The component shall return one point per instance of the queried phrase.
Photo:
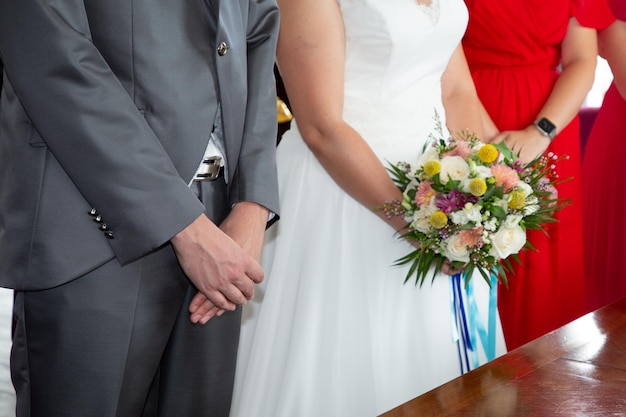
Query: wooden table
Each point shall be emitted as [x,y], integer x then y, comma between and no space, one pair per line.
[578,370]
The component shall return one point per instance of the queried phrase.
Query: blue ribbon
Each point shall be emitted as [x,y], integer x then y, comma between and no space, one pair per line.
[468,327]
[464,342]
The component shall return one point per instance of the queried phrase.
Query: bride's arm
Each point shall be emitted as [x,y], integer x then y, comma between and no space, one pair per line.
[463,109]
[310,56]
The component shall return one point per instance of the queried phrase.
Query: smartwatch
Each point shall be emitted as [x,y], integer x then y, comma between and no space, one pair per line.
[546,127]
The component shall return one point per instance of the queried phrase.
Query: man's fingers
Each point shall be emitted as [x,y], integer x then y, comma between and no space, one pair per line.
[227,301]
[197,302]
[248,291]
[255,272]
[205,317]
[236,293]
[202,309]
[246,286]
[209,315]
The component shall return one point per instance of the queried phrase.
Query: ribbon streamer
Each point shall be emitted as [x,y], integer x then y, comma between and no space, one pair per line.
[468,328]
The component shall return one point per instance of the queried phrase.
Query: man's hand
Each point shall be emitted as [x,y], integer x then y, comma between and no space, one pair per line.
[202,310]
[217,265]
[245,225]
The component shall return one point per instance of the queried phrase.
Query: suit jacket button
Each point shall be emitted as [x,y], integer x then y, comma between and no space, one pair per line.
[104,227]
[93,212]
[109,234]
[222,49]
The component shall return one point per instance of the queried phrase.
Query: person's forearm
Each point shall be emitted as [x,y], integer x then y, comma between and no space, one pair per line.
[460,100]
[490,130]
[354,167]
[568,93]
[245,224]
[463,114]
[252,216]
[578,58]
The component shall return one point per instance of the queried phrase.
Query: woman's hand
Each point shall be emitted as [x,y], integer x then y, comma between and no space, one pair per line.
[447,268]
[529,142]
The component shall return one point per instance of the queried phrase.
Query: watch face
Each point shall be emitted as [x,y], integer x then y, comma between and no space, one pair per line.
[546,125]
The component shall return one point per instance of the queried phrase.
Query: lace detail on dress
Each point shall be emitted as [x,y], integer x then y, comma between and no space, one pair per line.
[431,10]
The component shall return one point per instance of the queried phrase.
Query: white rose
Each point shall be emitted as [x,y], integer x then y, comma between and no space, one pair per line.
[454,167]
[421,219]
[429,153]
[455,250]
[507,241]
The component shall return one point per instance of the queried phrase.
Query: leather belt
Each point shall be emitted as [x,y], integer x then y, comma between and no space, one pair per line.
[210,169]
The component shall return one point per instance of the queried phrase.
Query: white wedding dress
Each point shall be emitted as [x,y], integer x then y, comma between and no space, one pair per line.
[333,331]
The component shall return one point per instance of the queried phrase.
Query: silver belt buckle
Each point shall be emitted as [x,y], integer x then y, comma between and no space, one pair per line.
[210,169]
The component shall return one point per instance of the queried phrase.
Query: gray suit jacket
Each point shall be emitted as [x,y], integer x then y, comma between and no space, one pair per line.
[109,104]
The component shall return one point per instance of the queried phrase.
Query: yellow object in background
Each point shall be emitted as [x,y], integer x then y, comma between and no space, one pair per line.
[284,114]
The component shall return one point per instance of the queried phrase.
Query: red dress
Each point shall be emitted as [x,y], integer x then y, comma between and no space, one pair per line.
[604,185]
[513,50]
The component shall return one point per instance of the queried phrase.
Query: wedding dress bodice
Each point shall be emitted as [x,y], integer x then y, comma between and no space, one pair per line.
[396,52]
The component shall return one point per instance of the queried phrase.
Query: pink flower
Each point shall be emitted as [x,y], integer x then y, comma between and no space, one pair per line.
[472,237]
[462,149]
[505,176]
[424,193]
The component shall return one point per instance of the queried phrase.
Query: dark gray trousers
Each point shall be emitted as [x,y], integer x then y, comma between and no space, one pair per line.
[118,342]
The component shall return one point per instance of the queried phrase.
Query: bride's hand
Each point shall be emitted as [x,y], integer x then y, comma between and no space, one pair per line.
[447,268]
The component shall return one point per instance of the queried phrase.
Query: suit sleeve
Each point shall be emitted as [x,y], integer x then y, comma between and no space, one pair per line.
[91,126]
[255,179]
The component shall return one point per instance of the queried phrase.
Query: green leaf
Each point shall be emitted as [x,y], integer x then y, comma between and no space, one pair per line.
[508,154]
[497,192]
[498,212]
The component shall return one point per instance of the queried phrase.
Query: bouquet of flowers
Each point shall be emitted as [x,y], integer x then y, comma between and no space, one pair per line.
[471,203]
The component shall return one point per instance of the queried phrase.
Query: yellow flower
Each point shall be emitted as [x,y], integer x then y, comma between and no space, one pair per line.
[432,167]
[477,187]
[516,200]
[488,153]
[438,219]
